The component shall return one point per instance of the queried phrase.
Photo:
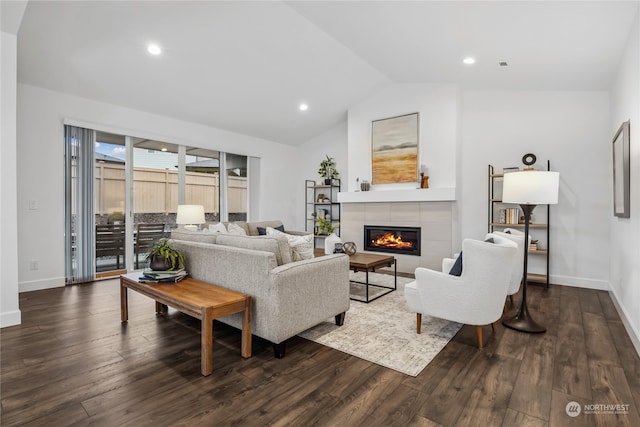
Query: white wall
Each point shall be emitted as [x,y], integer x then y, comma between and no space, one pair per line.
[9,308]
[438,108]
[625,232]
[332,143]
[571,129]
[462,132]
[41,114]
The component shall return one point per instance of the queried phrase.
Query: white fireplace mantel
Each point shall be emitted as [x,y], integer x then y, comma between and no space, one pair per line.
[399,195]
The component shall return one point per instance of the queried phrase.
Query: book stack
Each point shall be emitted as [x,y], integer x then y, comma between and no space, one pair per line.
[512,215]
[533,245]
[162,276]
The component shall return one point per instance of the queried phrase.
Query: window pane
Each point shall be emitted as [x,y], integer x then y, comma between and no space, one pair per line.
[155,194]
[109,192]
[237,186]
[203,181]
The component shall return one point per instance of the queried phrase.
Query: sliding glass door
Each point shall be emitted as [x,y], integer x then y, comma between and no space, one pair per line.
[128,194]
[155,194]
[109,204]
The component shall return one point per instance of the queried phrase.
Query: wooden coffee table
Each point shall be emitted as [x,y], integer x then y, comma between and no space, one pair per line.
[368,263]
[198,299]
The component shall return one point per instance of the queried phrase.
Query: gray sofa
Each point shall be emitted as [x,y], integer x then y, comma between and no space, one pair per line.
[288,296]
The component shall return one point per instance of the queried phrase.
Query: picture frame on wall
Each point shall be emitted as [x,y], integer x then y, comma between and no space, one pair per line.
[621,171]
[394,149]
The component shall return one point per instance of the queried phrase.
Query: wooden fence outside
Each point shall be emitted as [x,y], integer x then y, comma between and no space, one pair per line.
[156,191]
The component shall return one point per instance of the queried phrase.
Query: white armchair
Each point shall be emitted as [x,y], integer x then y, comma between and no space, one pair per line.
[477,296]
[516,236]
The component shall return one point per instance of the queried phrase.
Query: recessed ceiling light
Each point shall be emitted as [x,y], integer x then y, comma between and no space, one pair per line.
[163,149]
[469,60]
[154,49]
[303,107]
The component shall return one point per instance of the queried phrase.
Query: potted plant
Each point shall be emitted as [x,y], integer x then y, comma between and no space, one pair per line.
[328,170]
[163,257]
[326,227]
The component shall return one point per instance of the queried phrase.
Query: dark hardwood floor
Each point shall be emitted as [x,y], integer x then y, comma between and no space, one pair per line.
[72,362]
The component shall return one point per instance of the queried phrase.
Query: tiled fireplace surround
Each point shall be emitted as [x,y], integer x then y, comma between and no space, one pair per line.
[434,217]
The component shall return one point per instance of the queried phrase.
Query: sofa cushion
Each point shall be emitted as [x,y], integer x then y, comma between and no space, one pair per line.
[236,229]
[301,246]
[277,246]
[252,227]
[194,236]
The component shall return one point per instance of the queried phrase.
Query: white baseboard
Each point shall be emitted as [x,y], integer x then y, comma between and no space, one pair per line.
[580,282]
[10,318]
[633,334]
[38,285]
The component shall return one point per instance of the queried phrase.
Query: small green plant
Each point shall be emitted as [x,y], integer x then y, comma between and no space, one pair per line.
[325,226]
[328,169]
[173,258]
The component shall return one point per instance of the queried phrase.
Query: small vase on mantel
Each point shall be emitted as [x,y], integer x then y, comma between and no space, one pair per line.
[330,243]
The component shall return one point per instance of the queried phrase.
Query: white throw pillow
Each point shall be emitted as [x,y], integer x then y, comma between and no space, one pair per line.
[301,246]
[218,228]
[236,230]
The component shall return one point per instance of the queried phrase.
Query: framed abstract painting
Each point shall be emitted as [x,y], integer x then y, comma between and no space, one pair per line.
[394,149]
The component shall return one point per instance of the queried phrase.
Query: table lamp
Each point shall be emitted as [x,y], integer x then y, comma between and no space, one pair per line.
[528,188]
[190,215]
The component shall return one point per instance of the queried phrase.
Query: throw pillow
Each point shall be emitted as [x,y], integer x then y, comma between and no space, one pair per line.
[456,269]
[301,246]
[218,228]
[262,231]
[236,230]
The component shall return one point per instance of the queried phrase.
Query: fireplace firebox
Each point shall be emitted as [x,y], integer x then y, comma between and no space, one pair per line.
[391,239]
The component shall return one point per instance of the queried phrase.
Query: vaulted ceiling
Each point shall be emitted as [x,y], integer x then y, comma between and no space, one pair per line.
[246,66]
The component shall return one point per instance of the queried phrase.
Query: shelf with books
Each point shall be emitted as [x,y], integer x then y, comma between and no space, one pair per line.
[505,215]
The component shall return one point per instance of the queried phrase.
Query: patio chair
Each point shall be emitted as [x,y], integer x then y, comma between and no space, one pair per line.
[110,242]
[146,236]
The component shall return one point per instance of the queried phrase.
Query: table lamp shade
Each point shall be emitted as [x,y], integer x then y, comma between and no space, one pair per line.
[190,214]
[531,187]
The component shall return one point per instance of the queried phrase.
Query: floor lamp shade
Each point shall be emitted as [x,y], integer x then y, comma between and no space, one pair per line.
[531,188]
[190,215]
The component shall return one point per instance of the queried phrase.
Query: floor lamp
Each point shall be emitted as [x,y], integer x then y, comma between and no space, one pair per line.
[528,188]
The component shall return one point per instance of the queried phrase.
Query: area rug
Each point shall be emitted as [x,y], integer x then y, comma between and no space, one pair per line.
[384,331]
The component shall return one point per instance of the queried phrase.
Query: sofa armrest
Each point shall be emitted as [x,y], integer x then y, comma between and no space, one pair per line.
[309,292]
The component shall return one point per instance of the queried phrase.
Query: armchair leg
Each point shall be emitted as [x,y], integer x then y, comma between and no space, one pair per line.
[479,335]
[419,323]
[493,326]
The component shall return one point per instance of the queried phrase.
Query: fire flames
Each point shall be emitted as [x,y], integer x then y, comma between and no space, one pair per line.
[390,240]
